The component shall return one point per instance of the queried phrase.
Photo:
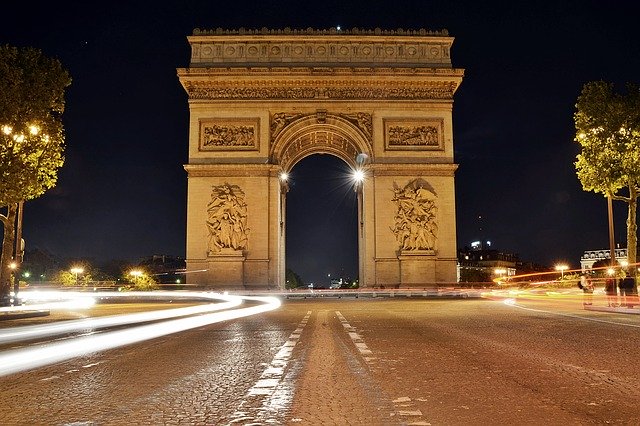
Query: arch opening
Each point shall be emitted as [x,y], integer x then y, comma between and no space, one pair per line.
[321,244]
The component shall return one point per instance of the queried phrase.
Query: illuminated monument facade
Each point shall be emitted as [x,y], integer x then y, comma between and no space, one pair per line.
[262,100]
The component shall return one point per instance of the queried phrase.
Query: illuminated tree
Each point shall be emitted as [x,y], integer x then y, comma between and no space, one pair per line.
[70,278]
[141,281]
[608,130]
[32,89]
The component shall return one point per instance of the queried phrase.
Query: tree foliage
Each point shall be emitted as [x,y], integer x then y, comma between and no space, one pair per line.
[31,132]
[608,130]
[292,280]
[141,282]
[68,278]
[31,135]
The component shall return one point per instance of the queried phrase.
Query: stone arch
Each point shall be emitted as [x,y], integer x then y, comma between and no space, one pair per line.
[330,134]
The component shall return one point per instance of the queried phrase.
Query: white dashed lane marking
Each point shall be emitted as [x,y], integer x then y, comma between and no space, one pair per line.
[264,396]
[356,338]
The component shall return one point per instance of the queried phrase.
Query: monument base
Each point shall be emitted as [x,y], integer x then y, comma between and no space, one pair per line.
[224,270]
[417,269]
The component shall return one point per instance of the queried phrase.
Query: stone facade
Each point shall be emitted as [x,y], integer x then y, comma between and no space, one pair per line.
[260,101]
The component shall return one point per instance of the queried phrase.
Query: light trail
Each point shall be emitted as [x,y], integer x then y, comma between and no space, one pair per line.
[17,334]
[16,360]
[513,303]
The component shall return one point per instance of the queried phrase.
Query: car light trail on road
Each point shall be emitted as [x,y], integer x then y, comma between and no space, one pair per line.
[513,303]
[80,300]
[23,359]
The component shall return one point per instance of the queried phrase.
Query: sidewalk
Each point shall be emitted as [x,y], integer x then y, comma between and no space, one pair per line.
[618,309]
[21,311]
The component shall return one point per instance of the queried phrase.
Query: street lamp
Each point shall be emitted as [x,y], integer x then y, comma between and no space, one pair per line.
[77,270]
[561,268]
[136,273]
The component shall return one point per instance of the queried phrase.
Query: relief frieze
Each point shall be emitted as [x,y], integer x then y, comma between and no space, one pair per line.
[229,134]
[413,134]
[444,91]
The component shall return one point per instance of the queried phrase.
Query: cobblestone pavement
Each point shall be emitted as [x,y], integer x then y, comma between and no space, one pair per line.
[339,362]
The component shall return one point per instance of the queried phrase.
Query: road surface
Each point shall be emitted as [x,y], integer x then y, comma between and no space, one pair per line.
[354,361]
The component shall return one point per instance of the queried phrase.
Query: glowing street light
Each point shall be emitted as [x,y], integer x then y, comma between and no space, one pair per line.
[136,273]
[358,175]
[76,270]
[561,268]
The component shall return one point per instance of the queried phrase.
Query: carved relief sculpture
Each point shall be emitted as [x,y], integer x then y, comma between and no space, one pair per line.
[363,120]
[227,219]
[413,135]
[415,224]
[280,120]
[228,135]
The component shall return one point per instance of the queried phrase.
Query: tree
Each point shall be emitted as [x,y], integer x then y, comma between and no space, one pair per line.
[292,280]
[141,281]
[68,278]
[31,136]
[608,130]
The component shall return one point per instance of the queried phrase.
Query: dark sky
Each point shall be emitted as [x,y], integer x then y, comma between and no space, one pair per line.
[122,191]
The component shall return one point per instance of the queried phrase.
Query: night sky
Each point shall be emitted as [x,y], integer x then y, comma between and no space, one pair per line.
[122,191]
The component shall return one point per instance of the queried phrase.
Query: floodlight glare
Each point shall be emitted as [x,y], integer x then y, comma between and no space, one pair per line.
[358,175]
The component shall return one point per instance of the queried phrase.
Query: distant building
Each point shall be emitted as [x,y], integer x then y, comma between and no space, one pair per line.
[165,269]
[590,257]
[480,264]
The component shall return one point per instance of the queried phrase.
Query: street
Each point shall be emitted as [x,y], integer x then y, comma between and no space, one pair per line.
[354,361]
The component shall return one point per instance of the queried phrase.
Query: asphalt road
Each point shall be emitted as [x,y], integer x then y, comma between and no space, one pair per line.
[354,361]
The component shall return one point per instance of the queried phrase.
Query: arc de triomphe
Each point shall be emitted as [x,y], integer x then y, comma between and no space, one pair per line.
[262,100]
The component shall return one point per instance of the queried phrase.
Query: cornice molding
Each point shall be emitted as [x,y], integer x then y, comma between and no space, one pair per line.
[236,170]
[315,71]
[264,31]
[410,170]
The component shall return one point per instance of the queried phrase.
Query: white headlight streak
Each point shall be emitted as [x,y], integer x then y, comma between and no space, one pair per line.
[27,358]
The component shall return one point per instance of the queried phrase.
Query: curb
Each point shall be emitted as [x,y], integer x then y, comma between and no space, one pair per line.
[619,309]
[19,314]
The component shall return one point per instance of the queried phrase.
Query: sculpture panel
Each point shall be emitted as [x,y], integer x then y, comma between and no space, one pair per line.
[227,219]
[413,135]
[221,134]
[415,224]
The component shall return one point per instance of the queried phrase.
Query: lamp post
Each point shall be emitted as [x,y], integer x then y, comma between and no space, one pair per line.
[612,249]
[358,179]
[18,250]
[561,268]
[76,271]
